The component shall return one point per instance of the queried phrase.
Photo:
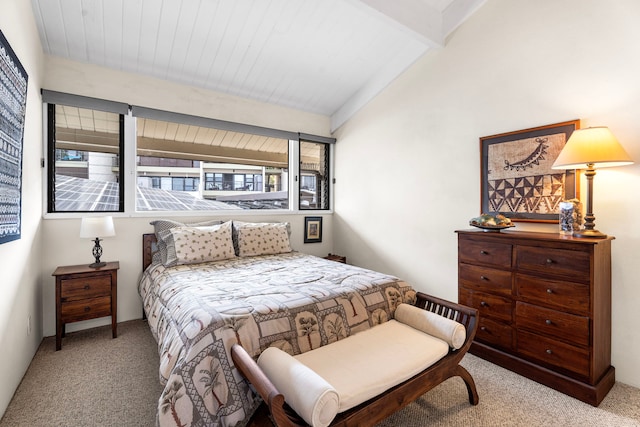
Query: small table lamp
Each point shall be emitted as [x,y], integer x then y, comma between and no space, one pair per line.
[590,148]
[96,227]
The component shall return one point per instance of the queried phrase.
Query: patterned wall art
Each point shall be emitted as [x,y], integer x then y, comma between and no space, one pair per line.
[516,176]
[13,100]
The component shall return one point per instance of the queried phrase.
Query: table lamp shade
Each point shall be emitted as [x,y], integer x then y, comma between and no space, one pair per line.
[589,149]
[596,145]
[92,227]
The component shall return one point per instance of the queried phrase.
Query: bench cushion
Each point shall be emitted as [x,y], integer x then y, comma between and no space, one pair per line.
[372,361]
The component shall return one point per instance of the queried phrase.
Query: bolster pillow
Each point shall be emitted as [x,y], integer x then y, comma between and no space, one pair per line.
[310,395]
[450,331]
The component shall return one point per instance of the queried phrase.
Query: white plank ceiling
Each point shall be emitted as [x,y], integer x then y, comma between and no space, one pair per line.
[322,56]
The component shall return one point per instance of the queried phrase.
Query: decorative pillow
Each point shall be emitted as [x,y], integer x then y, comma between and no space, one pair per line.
[450,331]
[193,245]
[263,238]
[238,224]
[161,225]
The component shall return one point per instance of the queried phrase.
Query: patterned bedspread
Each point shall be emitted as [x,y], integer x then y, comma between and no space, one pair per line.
[294,301]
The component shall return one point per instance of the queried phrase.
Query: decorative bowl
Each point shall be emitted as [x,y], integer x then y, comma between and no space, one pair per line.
[491,228]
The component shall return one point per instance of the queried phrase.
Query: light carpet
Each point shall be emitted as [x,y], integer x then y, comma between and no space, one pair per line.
[98,381]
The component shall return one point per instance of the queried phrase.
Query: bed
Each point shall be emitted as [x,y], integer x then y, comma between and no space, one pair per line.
[256,292]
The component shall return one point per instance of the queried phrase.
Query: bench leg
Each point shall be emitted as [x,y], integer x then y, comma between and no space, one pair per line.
[471,385]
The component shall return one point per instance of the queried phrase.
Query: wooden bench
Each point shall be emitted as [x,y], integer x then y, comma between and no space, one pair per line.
[381,406]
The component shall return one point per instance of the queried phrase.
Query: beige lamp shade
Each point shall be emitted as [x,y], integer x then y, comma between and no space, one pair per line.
[589,149]
[596,146]
[92,227]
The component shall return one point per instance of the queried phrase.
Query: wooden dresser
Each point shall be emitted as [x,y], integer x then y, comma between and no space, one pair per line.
[545,306]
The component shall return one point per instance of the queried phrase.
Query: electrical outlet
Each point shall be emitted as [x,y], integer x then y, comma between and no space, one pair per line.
[28,325]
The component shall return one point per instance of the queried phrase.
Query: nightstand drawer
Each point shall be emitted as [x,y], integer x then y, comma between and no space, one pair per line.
[86,309]
[485,279]
[85,287]
[553,353]
[565,326]
[495,254]
[488,305]
[561,294]
[575,264]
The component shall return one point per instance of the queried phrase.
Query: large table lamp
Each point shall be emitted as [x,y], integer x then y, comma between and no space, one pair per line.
[95,228]
[591,148]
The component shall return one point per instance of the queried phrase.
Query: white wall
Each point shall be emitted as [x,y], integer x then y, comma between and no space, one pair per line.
[408,164]
[20,259]
[103,83]
[63,246]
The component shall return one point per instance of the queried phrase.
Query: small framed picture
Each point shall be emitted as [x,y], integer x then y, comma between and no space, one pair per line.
[312,229]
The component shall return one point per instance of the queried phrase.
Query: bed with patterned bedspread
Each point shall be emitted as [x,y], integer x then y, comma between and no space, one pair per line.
[297,302]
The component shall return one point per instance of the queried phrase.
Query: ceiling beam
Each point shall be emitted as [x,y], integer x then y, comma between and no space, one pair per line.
[415,17]
[458,12]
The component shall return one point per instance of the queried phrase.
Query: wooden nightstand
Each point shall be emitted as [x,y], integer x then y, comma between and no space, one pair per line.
[84,293]
[337,258]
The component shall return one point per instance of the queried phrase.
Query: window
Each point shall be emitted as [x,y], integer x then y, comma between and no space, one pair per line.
[85,161]
[314,175]
[177,162]
[233,165]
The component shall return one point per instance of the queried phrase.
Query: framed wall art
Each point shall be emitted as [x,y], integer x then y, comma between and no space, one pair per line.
[13,87]
[516,176]
[312,229]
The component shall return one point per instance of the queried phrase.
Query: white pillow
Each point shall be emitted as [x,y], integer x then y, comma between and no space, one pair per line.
[313,398]
[161,229]
[264,238]
[193,245]
[450,331]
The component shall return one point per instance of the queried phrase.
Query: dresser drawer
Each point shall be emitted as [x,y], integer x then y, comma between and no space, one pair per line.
[495,333]
[574,264]
[86,309]
[553,353]
[85,287]
[485,279]
[573,297]
[485,253]
[492,306]
[565,326]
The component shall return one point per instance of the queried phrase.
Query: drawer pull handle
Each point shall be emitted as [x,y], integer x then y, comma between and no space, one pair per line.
[483,278]
[549,351]
[483,252]
[483,304]
[549,291]
[548,322]
[549,261]
[87,309]
[483,328]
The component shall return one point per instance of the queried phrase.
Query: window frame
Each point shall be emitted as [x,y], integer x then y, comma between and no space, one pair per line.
[330,180]
[128,153]
[50,150]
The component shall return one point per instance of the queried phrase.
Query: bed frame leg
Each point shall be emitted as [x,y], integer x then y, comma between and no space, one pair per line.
[471,385]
